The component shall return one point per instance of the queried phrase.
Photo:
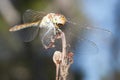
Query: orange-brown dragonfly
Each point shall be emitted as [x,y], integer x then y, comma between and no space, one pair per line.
[50,24]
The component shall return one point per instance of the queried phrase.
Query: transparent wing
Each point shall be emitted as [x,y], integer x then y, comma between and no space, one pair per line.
[28,34]
[77,37]
[32,16]
[97,32]
[82,45]
[47,36]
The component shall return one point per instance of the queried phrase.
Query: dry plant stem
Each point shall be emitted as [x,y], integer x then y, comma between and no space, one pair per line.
[63,60]
[63,66]
[57,71]
[63,46]
[57,61]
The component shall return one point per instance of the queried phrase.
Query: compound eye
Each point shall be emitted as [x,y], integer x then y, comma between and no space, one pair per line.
[59,24]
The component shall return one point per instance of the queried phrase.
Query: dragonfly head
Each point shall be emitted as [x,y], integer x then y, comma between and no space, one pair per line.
[59,20]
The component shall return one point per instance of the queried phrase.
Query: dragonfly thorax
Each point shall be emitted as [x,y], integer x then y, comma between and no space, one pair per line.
[53,20]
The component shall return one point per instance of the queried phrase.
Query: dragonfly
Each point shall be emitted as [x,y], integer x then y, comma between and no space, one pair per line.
[49,26]
[49,22]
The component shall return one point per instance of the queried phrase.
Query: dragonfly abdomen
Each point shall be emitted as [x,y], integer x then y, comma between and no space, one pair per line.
[22,26]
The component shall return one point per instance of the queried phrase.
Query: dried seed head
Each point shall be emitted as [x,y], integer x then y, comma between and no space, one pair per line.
[57,57]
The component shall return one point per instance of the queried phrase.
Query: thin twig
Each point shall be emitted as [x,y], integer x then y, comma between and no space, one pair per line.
[63,60]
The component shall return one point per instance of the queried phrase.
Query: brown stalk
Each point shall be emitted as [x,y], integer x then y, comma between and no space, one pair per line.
[63,60]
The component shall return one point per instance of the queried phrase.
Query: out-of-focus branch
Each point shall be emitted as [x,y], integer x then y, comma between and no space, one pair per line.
[9,13]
